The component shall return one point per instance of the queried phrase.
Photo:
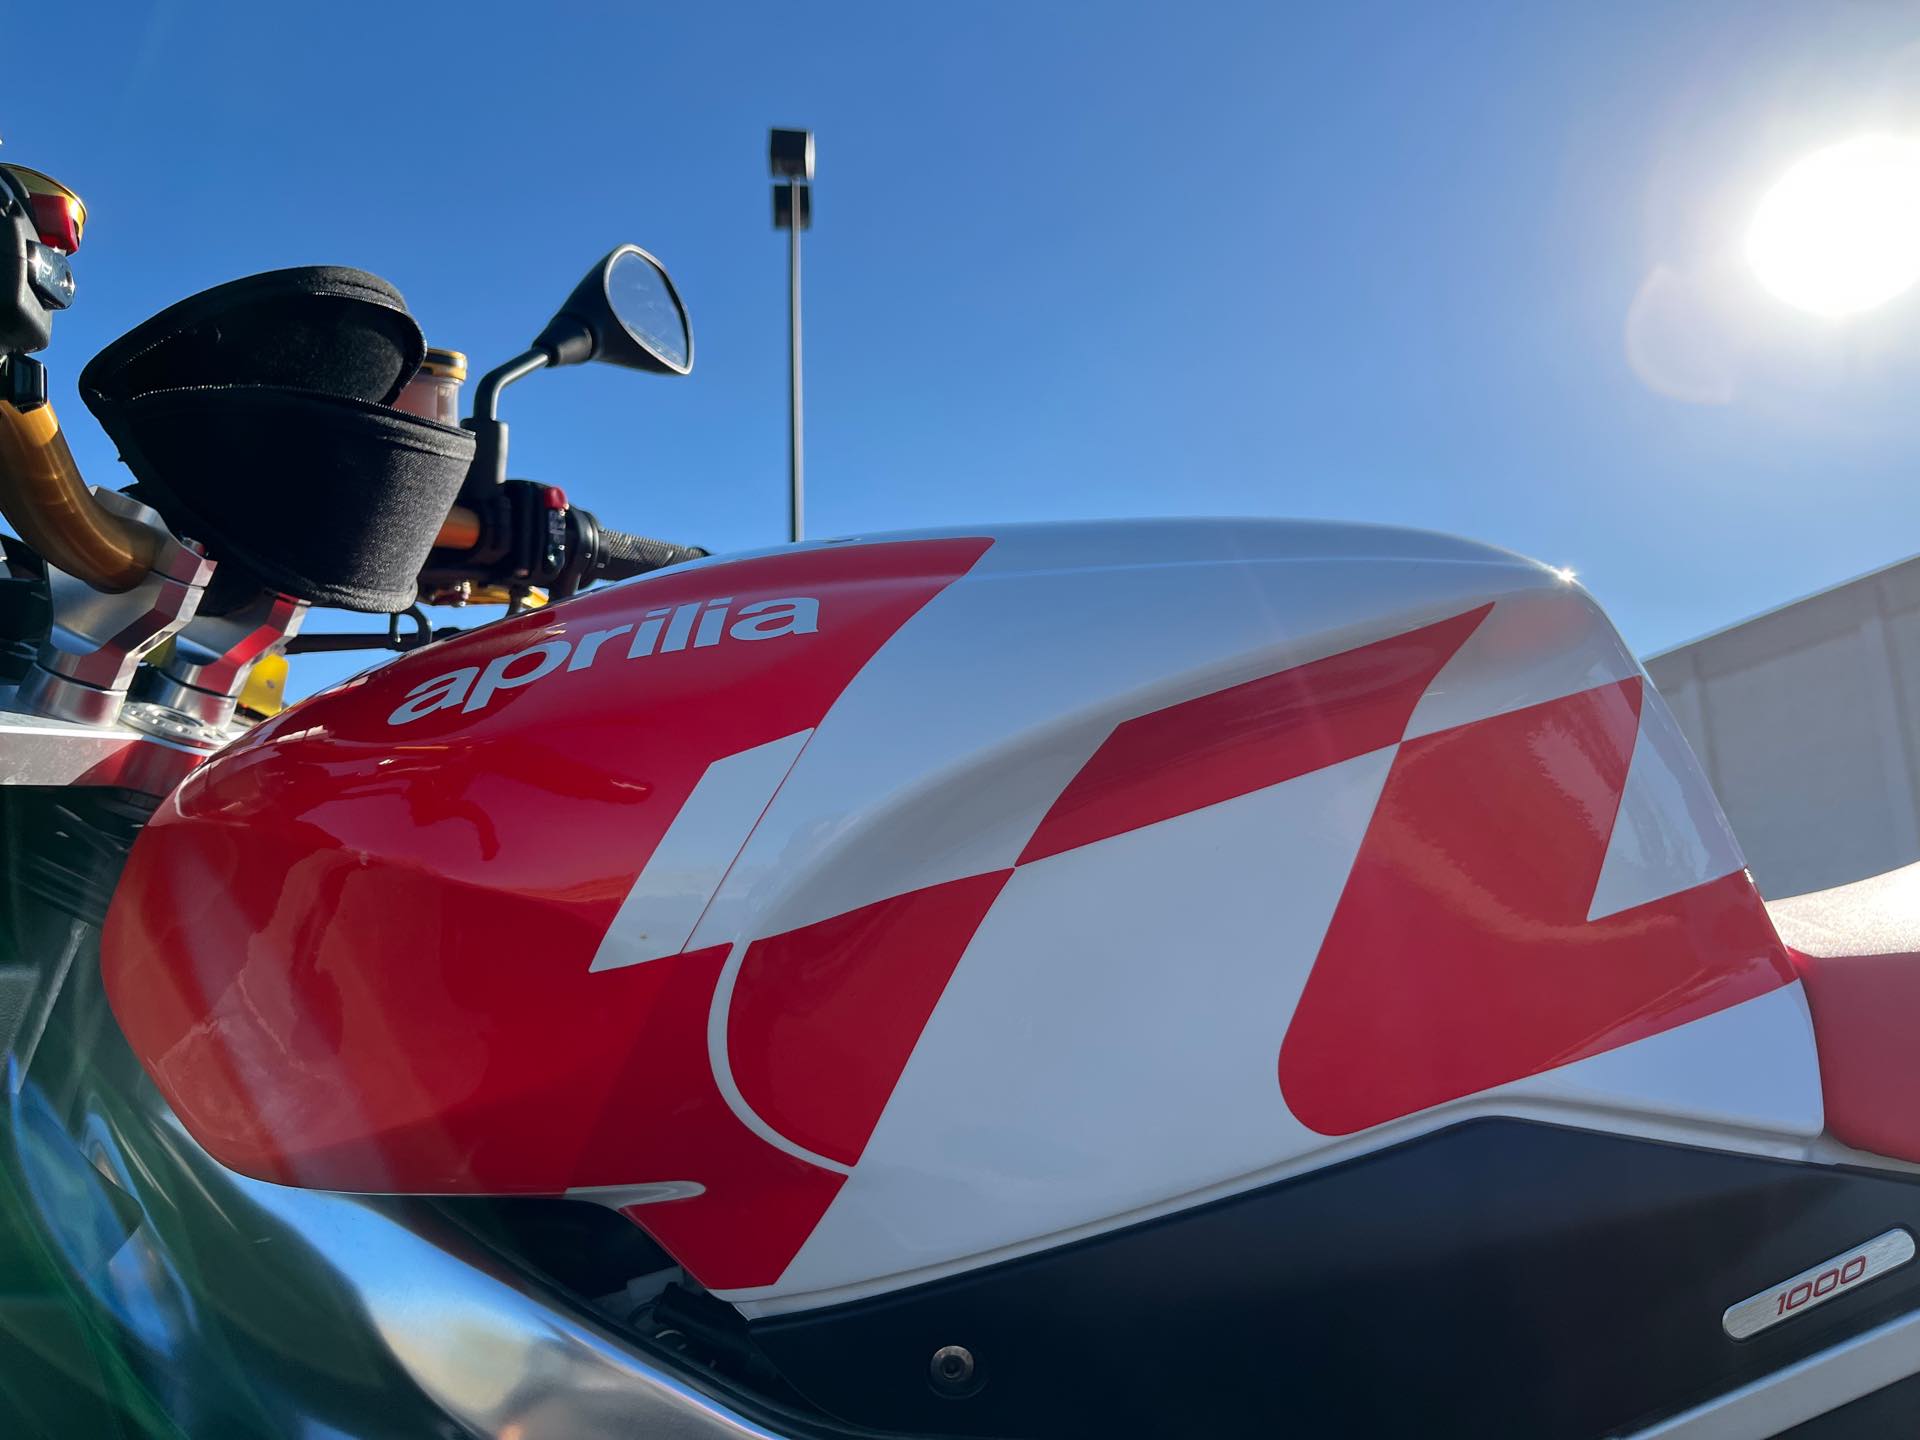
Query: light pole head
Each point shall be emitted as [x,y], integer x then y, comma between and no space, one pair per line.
[790,154]
[792,206]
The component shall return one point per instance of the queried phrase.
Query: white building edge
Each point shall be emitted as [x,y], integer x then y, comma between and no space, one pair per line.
[1804,718]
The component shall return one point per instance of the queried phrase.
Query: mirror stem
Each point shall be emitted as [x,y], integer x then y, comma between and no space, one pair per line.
[489,468]
[486,395]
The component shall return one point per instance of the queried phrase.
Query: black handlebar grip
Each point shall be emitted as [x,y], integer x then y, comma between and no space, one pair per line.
[622,556]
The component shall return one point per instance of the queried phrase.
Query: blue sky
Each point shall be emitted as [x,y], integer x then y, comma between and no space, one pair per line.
[1471,267]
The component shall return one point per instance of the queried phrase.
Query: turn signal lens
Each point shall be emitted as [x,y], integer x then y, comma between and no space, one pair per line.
[57,218]
[59,215]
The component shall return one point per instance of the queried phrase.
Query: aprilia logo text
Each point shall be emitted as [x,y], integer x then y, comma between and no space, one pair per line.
[696,625]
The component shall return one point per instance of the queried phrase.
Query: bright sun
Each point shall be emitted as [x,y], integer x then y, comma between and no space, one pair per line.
[1840,231]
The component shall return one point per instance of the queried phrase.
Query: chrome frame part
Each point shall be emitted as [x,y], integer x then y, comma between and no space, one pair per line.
[42,751]
[50,275]
[98,640]
[201,680]
[446,1328]
[520,1361]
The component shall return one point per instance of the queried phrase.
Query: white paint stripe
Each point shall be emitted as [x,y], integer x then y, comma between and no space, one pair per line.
[768,1300]
[723,1070]
[1668,835]
[670,895]
[1068,1032]
[1599,1093]
[1537,645]
[1751,1066]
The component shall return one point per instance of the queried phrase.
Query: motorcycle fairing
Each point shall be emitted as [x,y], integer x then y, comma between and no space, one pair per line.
[357,952]
[996,893]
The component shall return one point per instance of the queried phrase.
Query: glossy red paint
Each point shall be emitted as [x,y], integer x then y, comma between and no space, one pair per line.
[355,954]
[824,1017]
[758,1204]
[1460,956]
[1863,1008]
[1244,738]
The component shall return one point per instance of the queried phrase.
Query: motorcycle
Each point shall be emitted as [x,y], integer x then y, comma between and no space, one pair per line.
[1119,978]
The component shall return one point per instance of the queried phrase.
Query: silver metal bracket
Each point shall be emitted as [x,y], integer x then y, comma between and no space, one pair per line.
[201,681]
[98,640]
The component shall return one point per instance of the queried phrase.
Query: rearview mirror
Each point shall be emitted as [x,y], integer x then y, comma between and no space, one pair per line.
[625,312]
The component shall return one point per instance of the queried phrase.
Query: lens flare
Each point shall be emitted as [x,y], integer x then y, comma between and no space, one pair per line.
[1840,231]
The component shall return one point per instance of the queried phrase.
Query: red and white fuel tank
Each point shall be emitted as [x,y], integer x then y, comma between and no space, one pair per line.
[864,912]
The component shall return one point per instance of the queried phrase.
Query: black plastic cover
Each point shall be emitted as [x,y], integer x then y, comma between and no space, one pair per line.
[257,418]
[25,323]
[1499,1278]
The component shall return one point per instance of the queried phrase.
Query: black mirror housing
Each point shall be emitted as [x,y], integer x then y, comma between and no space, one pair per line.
[624,312]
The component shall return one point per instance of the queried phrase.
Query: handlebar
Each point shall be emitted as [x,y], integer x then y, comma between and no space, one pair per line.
[44,498]
[623,556]
[459,531]
[519,534]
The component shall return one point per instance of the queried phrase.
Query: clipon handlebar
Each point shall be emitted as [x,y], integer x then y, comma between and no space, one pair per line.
[47,502]
[521,535]
[622,556]
[45,499]
[459,531]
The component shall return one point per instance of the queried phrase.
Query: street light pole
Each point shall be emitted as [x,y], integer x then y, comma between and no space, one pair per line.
[790,159]
[796,451]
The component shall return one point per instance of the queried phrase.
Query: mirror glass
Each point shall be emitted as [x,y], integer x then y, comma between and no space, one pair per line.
[637,290]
